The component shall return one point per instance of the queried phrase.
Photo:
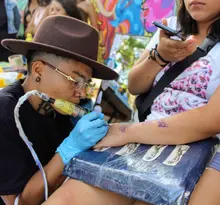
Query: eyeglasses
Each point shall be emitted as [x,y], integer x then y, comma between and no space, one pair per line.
[76,84]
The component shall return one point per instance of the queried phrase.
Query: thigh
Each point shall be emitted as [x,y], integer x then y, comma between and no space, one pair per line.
[141,203]
[207,190]
[75,192]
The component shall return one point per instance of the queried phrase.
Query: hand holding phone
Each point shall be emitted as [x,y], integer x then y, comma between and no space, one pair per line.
[173,50]
[169,31]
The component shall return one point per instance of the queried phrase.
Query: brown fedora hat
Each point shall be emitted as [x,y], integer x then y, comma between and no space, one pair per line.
[67,37]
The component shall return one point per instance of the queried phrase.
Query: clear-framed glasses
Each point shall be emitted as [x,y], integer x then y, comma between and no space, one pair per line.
[76,83]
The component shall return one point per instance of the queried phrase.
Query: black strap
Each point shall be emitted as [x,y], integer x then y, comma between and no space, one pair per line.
[176,70]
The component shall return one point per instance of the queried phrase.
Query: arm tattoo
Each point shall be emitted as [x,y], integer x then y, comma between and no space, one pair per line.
[123,128]
[162,123]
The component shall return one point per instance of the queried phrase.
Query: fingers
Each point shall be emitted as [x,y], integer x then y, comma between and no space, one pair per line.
[98,123]
[164,22]
[169,49]
[93,116]
[101,115]
[162,32]
[174,50]
[99,145]
[100,130]
[188,44]
[181,53]
[176,44]
[94,136]
[105,142]
[97,137]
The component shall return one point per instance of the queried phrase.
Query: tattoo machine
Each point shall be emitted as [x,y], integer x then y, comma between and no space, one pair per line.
[65,107]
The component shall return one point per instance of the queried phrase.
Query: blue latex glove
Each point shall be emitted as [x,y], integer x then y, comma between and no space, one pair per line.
[90,129]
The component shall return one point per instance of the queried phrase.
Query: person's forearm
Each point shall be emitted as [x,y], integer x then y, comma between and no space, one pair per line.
[33,193]
[182,128]
[93,17]
[142,75]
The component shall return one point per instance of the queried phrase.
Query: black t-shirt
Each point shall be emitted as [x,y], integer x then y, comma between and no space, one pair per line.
[46,133]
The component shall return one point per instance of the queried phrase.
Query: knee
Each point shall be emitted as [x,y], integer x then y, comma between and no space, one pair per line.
[67,194]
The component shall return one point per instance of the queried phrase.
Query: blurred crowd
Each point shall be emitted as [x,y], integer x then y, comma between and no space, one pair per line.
[21,18]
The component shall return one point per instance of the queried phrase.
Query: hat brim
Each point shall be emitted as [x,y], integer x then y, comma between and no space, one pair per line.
[23,47]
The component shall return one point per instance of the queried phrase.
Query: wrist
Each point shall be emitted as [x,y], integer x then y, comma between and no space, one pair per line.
[159,60]
[128,131]
[133,134]
[154,55]
[67,150]
[160,56]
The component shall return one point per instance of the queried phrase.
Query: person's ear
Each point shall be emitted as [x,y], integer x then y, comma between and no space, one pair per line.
[37,70]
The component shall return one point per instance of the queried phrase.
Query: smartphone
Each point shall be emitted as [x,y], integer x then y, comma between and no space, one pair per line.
[169,31]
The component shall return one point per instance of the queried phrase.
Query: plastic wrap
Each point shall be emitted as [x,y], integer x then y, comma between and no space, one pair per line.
[161,175]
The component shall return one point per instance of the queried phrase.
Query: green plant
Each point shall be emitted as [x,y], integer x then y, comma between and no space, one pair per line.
[130,50]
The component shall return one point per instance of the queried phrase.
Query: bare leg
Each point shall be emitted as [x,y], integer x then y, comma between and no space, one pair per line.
[141,203]
[207,191]
[74,192]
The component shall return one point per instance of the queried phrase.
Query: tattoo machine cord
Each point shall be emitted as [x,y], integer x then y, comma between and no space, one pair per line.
[64,106]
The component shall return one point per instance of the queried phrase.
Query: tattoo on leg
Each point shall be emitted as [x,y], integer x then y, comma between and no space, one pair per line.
[123,128]
[162,123]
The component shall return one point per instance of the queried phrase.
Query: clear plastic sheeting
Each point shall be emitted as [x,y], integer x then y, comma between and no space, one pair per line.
[161,175]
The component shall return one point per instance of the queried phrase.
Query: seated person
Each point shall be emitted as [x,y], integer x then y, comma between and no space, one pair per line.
[61,67]
[186,111]
[55,7]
